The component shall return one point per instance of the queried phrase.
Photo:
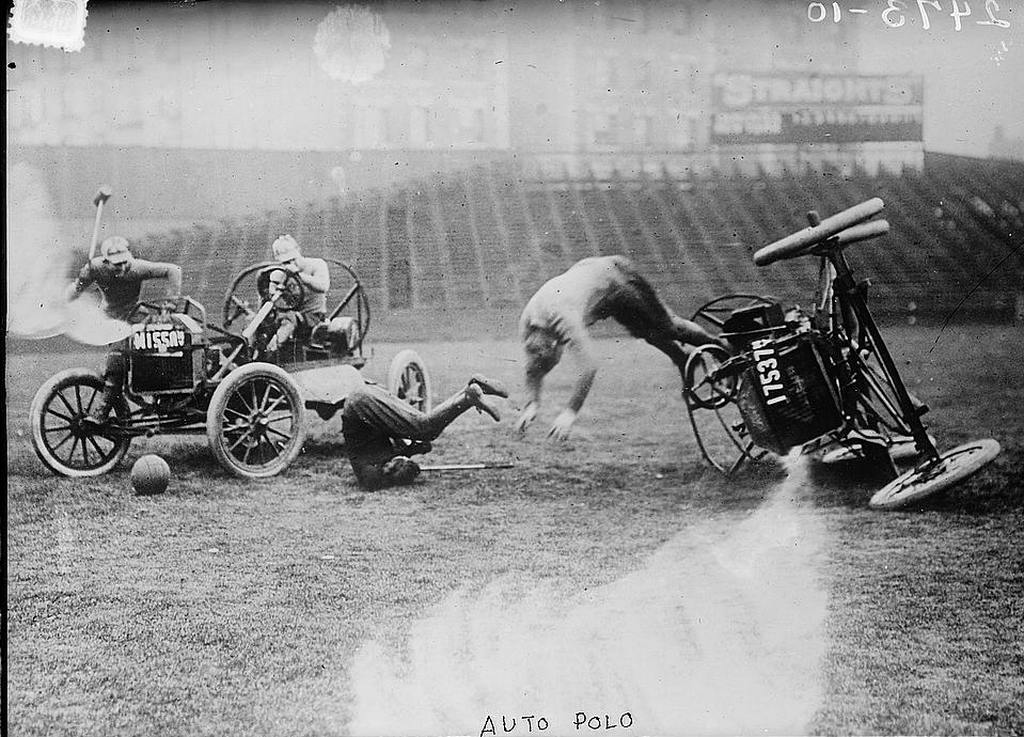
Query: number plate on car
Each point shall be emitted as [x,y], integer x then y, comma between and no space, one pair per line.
[161,341]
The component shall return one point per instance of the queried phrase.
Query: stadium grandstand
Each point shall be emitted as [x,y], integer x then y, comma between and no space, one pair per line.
[489,236]
[458,176]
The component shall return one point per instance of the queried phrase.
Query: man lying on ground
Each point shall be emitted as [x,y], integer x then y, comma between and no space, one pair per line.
[381,430]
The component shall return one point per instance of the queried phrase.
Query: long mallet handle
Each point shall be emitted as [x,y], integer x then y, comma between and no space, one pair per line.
[101,197]
[465,466]
[257,320]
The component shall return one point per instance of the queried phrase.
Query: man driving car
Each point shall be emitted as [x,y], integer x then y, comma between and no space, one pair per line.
[314,276]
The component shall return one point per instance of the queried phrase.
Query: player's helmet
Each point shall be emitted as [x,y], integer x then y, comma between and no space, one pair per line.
[114,250]
[285,249]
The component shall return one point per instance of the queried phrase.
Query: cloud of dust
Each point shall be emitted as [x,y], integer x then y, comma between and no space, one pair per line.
[36,261]
[721,631]
[37,268]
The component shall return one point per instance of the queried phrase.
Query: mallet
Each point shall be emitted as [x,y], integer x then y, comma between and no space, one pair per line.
[101,197]
[466,466]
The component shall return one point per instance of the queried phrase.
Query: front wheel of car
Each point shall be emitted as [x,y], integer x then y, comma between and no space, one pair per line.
[63,438]
[254,423]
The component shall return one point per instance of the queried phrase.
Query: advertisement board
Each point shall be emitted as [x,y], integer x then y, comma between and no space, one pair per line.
[754,107]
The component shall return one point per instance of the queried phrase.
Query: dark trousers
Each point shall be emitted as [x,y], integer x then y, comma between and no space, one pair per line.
[638,308]
[375,423]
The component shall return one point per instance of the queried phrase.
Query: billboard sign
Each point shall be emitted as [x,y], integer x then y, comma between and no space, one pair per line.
[790,107]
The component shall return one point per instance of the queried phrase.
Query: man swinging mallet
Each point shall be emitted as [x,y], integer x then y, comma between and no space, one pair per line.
[119,277]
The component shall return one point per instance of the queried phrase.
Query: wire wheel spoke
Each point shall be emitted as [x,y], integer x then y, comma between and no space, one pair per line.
[274,431]
[241,400]
[245,437]
[267,409]
[75,411]
[714,391]
[51,410]
[240,415]
[66,438]
[74,447]
[96,446]
[262,403]
[281,416]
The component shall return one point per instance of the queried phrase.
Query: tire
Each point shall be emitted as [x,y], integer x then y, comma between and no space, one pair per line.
[721,438]
[929,478]
[63,443]
[408,380]
[255,423]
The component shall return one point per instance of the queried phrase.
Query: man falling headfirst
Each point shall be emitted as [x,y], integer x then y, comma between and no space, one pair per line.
[558,316]
[381,430]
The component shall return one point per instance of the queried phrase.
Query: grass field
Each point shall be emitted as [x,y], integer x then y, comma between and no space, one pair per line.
[615,574]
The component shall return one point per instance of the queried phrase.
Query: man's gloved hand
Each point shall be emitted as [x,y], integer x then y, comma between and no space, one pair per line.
[172,305]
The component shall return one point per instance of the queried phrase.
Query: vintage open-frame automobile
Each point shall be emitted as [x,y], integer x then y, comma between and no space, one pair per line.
[186,375]
[819,380]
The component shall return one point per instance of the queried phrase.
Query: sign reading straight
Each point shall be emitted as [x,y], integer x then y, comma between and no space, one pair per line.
[750,107]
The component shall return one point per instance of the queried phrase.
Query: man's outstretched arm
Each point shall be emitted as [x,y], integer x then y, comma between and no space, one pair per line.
[586,368]
[85,278]
[534,384]
[161,270]
[693,334]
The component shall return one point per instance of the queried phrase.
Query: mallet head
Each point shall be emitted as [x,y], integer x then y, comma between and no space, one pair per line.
[102,195]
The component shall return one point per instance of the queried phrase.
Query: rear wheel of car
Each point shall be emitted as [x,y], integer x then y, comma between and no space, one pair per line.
[408,380]
[255,422]
[64,442]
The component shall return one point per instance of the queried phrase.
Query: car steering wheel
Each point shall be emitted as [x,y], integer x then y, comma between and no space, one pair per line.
[235,307]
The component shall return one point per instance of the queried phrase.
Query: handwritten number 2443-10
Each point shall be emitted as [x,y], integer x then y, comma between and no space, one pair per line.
[894,15]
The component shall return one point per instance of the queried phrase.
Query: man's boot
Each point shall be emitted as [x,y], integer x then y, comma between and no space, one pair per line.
[488,386]
[475,396]
[472,396]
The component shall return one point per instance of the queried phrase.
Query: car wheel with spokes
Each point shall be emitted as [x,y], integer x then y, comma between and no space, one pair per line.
[63,439]
[254,423]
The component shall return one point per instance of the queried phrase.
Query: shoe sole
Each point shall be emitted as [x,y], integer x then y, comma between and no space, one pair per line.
[489,386]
